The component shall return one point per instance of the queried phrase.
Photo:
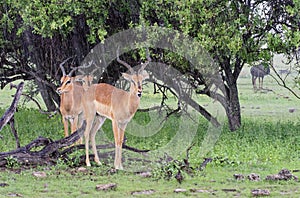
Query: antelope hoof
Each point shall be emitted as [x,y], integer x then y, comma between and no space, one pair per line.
[98,162]
[119,167]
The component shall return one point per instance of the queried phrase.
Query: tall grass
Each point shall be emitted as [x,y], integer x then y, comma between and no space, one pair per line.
[260,142]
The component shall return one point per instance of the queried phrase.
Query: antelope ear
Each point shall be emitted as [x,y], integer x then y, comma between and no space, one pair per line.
[145,75]
[78,78]
[127,76]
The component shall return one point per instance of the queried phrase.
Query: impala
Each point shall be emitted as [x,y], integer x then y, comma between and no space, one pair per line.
[85,80]
[71,92]
[103,101]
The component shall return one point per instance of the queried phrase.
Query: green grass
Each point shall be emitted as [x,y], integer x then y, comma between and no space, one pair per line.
[260,146]
[268,141]
[30,124]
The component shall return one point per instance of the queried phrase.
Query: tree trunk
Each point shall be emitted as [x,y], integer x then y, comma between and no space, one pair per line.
[46,95]
[233,109]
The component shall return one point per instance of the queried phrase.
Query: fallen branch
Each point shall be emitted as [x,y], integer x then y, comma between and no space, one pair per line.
[32,154]
[48,155]
[104,146]
[11,110]
[204,163]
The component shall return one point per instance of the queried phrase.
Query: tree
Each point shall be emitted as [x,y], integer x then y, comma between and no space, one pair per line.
[38,35]
[235,33]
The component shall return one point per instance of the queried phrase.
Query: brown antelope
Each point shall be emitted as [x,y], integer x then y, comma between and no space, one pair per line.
[71,92]
[106,101]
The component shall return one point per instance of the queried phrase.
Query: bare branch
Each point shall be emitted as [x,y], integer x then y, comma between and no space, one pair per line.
[8,116]
[282,82]
[11,110]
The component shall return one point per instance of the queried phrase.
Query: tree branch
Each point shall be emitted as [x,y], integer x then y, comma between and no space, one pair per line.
[8,116]
[281,82]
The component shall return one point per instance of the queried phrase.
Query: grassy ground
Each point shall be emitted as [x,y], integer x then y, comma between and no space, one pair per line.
[213,182]
[273,102]
[268,141]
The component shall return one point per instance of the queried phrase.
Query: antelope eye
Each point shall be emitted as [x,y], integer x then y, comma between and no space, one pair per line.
[68,82]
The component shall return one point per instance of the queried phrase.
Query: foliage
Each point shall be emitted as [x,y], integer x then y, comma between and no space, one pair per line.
[48,18]
[250,31]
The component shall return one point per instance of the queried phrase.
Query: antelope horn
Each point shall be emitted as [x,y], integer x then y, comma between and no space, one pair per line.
[79,67]
[124,63]
[83,66]
[94,70]
[61,65]
[147,62]
[72,71]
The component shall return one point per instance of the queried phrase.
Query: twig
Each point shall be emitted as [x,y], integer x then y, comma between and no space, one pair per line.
[281,82]
[35,101]
[14,131]
[51,114]
[205,162]
[150,109]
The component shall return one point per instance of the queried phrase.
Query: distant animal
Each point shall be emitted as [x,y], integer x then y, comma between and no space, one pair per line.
[259,71]
[284,71]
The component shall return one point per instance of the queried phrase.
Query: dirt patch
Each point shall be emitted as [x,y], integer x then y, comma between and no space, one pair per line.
[106,187]
[284,174]
[260,192]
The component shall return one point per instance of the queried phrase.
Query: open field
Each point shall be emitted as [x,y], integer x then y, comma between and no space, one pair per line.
[268,141]
[274,102]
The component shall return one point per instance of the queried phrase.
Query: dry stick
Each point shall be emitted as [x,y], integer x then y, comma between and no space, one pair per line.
[14,131]
[204,163]
[8,116]
[104,146]
[51,114]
